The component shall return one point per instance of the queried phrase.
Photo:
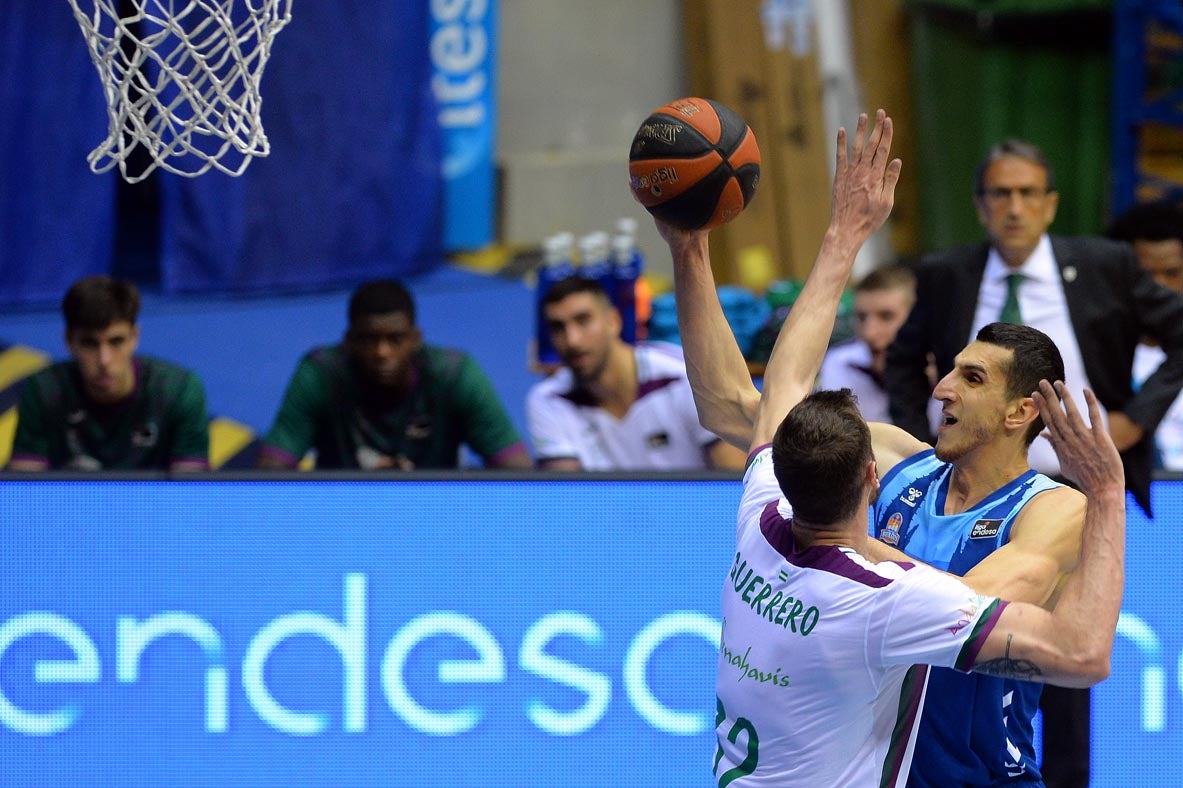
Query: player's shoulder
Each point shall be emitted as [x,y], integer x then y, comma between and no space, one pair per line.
[759,481]
[1055,503]
[1105,250]
[445,364]
[168,386]
[886,580]
[1102,264]
[325,358]
[57,374]
[660,359]
[906,459]
[886,571]
[444,356]
[919,590]
[50,387]
[164,372]
[555,386]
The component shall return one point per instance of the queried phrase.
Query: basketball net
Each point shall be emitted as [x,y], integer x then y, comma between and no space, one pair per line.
[181,79]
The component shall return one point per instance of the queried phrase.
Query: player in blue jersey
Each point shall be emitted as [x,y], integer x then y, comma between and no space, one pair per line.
[972,507]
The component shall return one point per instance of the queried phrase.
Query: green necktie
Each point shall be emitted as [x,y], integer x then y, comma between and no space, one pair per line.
[1010,310]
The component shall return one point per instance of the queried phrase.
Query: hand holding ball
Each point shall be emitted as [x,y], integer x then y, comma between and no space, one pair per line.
[694,164]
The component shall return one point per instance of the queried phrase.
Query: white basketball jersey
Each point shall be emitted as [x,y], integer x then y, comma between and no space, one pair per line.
[660,431]
[818,681]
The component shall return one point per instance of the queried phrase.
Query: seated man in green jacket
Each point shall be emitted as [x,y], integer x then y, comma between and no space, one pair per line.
[107,408]
[383,399]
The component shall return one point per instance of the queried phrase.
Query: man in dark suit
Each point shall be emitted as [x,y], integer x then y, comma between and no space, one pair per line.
[1090,296]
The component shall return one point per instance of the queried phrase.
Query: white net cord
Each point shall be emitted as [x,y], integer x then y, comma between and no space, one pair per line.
[181,79]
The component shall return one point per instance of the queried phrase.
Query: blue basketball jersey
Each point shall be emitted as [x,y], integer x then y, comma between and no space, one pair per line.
[975,730]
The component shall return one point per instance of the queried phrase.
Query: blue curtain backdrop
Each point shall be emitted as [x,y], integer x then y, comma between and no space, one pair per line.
[352,188]
[56,216]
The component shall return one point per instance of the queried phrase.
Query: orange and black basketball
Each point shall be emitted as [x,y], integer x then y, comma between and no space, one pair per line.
[694,164]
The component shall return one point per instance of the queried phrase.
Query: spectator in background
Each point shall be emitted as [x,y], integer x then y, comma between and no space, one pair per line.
[382,399]
[1155,230]
[882,301]
[108,408]
[613,406]
[1092,299]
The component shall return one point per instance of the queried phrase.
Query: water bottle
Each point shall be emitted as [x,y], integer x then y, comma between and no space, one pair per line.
[596,262]
[556,266]
[626,269]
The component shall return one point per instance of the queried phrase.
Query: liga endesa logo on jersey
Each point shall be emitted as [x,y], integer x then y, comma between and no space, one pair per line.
[985,529]
[891,531]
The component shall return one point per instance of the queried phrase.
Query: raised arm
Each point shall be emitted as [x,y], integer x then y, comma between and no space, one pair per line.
[1072,645]
[727,402]
[724,395]
[863,194]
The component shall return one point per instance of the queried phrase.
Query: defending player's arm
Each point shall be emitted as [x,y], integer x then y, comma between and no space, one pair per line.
[863,194]
[1072,644]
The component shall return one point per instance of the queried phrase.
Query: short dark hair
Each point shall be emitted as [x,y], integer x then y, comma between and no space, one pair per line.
[381,297]
[93,303]
[572,285]
[1013,148]
[1149,221]
[887,277]
[819,455]
[1034,357]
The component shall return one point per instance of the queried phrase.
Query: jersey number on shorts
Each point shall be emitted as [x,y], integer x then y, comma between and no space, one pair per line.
[749,763]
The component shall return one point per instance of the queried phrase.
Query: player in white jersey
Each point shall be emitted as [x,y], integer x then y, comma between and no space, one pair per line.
[613,406]
[816,663]
[823,636]
[659,431]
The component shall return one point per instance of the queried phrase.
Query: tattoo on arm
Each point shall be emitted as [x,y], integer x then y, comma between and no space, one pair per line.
[1007,668]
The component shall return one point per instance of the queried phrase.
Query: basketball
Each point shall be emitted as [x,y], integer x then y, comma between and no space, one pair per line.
[694,164]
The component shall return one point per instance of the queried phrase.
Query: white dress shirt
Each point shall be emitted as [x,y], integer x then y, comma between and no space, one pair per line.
[1043,306]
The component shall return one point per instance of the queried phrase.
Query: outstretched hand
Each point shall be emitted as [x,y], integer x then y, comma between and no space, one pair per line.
[1086,451]
[681,242]
[864,180]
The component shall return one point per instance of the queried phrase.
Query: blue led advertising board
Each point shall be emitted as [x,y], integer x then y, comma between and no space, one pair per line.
[424,633]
